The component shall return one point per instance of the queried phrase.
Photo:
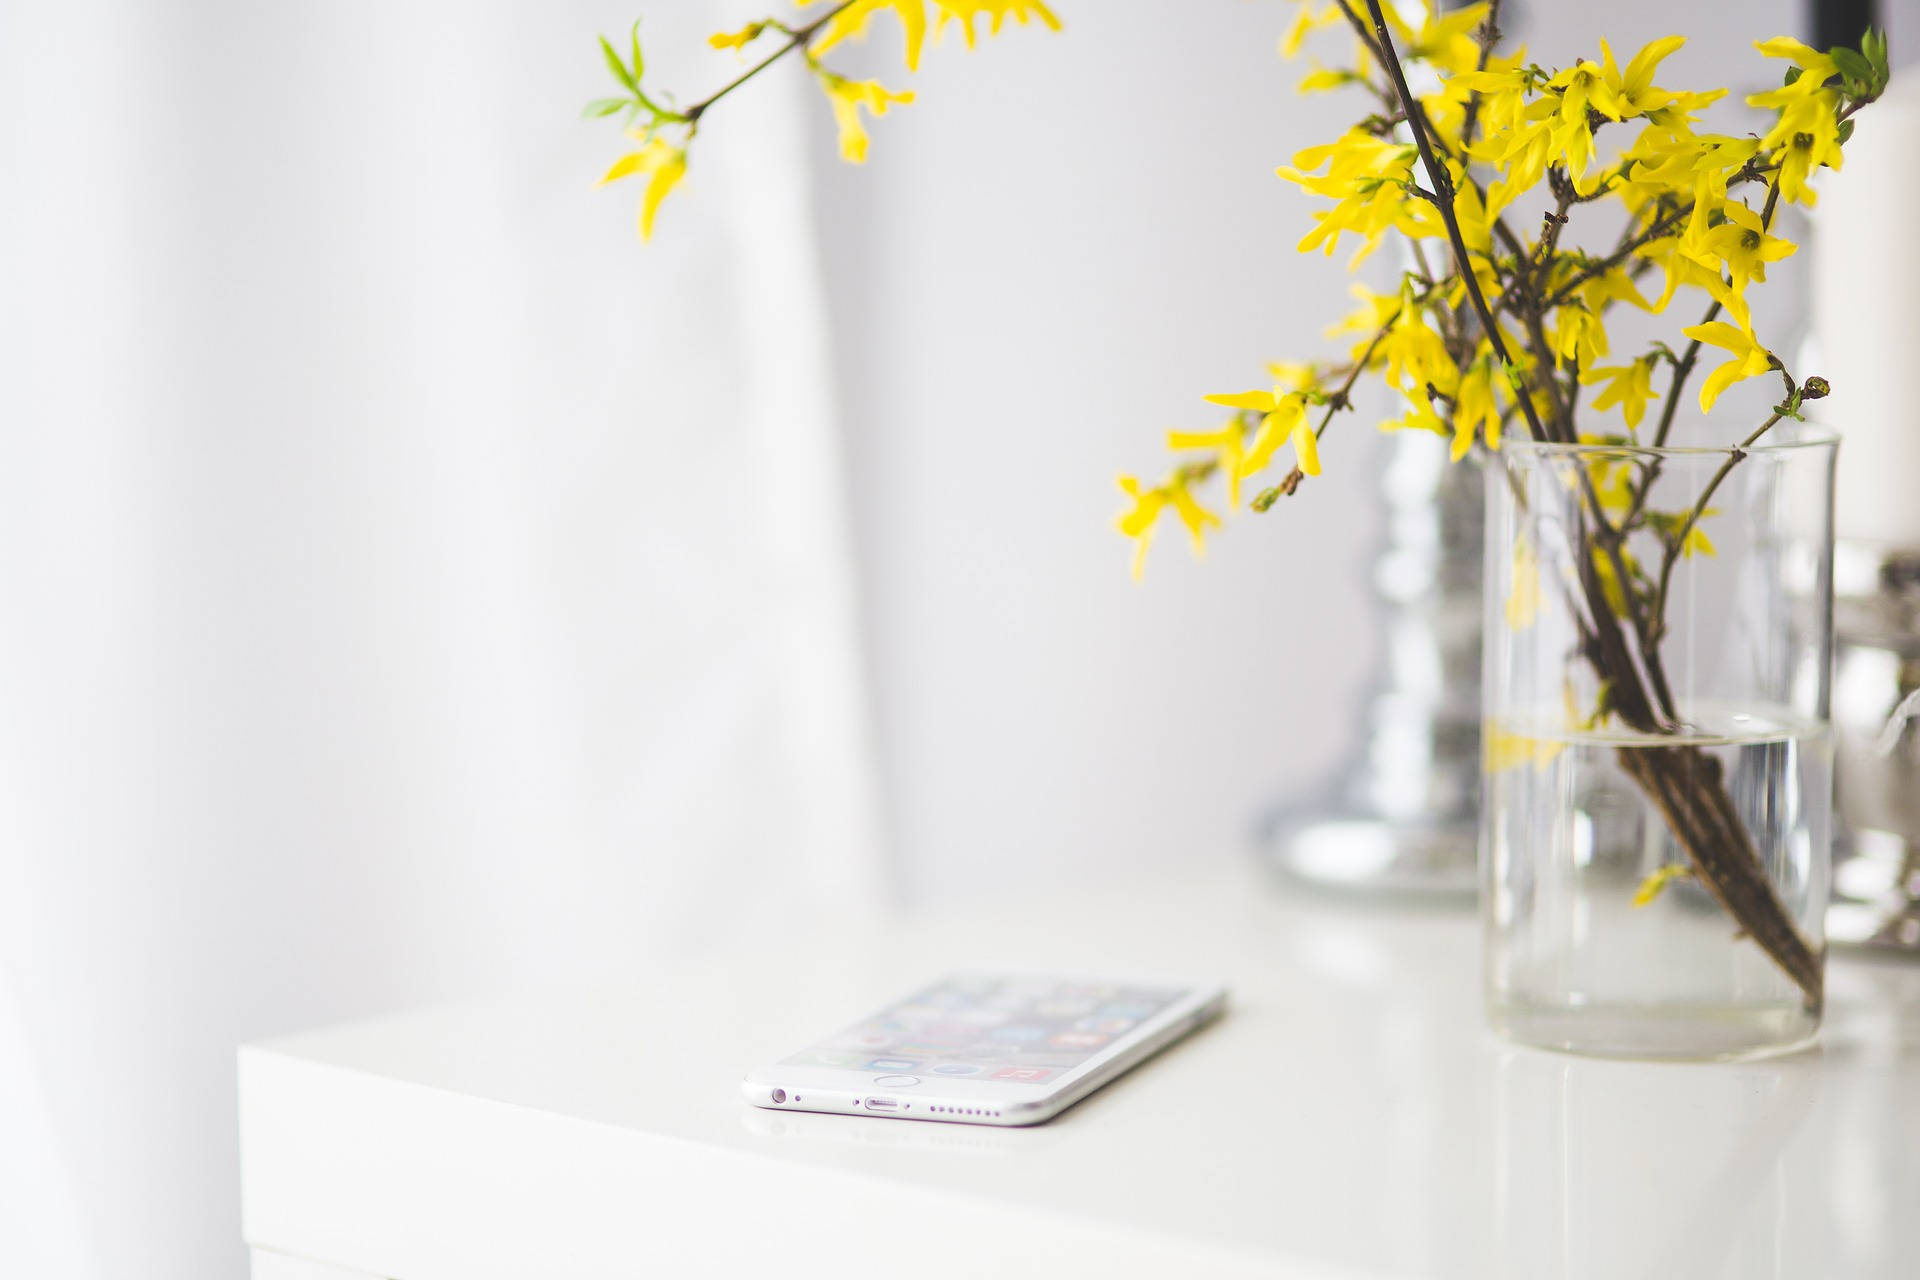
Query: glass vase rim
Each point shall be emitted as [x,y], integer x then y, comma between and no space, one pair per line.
[1787,438]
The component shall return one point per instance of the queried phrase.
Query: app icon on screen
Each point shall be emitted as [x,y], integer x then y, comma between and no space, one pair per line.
[1022,1073]
[1019,1034]
[1077,1040]
[893,1064]
[957,1069]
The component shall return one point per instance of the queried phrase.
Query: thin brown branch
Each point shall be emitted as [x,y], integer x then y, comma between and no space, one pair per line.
[1488,35]
[1679,538]
[1437,173]
[1338,400]
[797,38]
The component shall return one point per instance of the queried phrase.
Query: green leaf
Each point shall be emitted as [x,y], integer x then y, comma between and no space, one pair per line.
[1793,74]
[1853,65]
[607,106]
[618,67]
[1846,131]
[1874,44]
[639,63]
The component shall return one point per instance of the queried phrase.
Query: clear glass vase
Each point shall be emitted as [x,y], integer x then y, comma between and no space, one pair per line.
[1659,767]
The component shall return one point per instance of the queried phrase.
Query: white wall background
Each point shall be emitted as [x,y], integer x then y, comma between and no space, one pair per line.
[411,587]
[414,586]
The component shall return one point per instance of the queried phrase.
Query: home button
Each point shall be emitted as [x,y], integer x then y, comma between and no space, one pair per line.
[896,1082]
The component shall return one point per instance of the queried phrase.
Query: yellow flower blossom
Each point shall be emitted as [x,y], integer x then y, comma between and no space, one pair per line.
[1578,335]
[1629,385]
[1633,92]
[1603,569]
[1445,38]
[1418,417]
[1310,19]
[1612,475]
[1750,359]
[1321,79]
[663,164]
[1683,269]
[1741,244]
[963,12]
[737,40]
[847,97]
[1366,176]
[1808,128]
[1695,542]
[1509,750]
[1293,375]
[1580,332]
[851,23]
[1814,65]
[1656,884]
[1476,414]
[1226,443]
[1284,420]
[1570,136]
[1502,93]
[1523,593]
[1414,351]
[1148,504]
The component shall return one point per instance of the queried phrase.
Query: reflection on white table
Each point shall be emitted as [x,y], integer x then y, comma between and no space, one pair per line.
[1349,1117]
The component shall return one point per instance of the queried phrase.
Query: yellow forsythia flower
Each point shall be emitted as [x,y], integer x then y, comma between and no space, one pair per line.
[1365,175]
[1139,523]
[1509,750]
[662,162]
[1633,92]
[1285,420]
[1808,127]
[963,12]
[1228,444]
[851,23]
[1309,19]
[1610,587]
[1476,414]
[1750,359]
[1741,244]
[737,40]
[847,97]
[1654,885]
[1523,596]
[1628,385]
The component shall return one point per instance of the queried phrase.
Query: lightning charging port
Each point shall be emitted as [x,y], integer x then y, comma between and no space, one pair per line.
[882,1104]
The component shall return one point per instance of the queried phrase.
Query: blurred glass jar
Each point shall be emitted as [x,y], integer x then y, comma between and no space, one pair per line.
[1659,761]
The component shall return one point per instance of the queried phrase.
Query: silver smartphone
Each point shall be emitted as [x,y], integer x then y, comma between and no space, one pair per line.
[988,1048]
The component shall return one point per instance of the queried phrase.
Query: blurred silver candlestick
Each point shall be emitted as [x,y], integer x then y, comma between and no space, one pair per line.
[1866,326]
[1401,815]
[1876,890]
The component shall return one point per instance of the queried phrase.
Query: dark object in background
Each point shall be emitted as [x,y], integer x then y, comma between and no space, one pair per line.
[1837,22]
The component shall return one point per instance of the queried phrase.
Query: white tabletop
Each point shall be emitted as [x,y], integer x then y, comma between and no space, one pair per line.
[1350,1117]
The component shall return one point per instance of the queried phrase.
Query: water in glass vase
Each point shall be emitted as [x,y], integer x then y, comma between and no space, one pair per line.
[1599,936]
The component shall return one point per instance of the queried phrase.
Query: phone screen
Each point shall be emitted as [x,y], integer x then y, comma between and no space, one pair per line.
[1011,1029]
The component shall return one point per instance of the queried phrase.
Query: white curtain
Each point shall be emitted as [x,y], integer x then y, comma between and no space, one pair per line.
[409,584]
